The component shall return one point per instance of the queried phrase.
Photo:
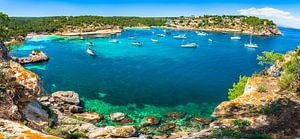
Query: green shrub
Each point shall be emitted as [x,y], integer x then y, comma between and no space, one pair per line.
[286,80]
[262,89]
[274,107]
[241,124]
[226,132]
[238,88]
[76,135]
[269,58]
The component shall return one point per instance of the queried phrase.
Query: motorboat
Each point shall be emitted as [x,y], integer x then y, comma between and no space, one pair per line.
[90,51]
[235,38]
[137,43]
[201,33]
[114,41]
[154,40]
[131,37]
[179,37]
[89,43]
[189,45]
[81,38]
[210,40]
[161,35]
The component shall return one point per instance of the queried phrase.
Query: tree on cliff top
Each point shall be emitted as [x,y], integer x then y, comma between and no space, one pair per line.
[4,21]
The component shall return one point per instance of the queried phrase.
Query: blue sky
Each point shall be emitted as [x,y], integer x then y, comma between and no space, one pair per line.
[263,8]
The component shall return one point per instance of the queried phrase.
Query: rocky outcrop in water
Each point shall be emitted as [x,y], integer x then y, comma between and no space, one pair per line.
[34,57]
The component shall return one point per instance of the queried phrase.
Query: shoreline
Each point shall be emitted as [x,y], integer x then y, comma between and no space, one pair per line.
[98,32]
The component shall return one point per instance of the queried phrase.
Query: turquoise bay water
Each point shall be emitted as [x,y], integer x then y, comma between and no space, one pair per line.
[155,78]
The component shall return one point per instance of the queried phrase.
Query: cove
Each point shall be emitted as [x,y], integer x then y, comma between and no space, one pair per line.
[155,78]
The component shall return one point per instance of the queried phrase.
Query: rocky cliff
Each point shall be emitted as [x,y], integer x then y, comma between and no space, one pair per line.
[265,109]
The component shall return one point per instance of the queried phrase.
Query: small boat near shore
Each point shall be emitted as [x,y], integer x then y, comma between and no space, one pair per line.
[161,35]
[154,40]
[201,33]
[182,36]
[114,41]
[91,52]
[131,37]
[81,38]
[137,43]
[189,45]
[235,38]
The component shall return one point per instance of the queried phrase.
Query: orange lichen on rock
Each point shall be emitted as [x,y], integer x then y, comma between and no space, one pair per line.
[16,130]
[26,78]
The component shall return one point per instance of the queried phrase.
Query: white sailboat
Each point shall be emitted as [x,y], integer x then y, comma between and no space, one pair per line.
[235,37]
[250,44]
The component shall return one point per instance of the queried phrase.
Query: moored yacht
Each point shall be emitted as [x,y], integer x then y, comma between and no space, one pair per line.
[154,40]
[161,35]
[250,44]
[137,43]
[189,45]
[81,38]
[91,52]
[89,43]
[235,38]
[182,36]
[131,37]
[201,33]
[114,41]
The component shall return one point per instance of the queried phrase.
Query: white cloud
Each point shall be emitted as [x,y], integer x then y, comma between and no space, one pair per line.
[280,17]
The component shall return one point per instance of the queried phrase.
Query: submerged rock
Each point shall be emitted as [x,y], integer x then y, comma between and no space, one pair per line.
[35,56]
[167,127]
[110,131]
[201,121]
[126,121]
[118,116]
[151,120]
[175,115]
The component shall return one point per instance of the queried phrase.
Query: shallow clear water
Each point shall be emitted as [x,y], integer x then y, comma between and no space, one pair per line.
[154,78]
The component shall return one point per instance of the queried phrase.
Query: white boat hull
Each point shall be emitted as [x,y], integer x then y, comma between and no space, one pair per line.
[251,45]
[90,52]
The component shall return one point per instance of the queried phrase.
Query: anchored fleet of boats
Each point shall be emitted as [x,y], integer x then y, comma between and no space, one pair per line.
[90,51]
